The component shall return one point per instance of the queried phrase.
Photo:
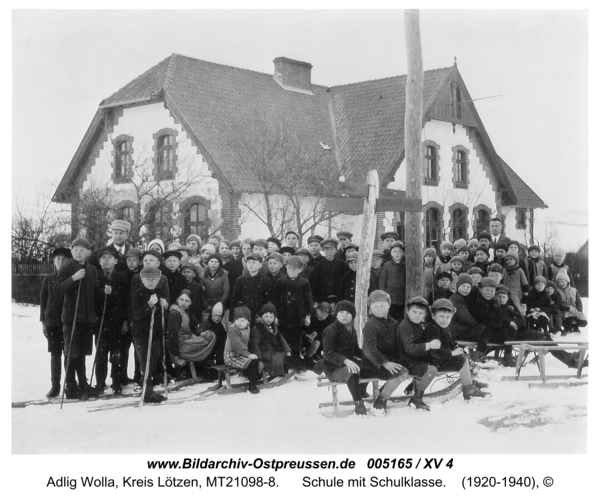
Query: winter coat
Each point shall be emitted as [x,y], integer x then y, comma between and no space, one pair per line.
[347,289]
[487,312]
[381,342]
[411,342]
[176,283]
[215,289]
[313,261]
[253,291]
[274,278]
[120,265]
[438,357]
[428,280]
[293,300]
[462,320]
[270,347]
[136,283]
[539,300]
[66,289]
[326,278]
[515,280]
[439,293]
[442,264]
[535,268]
[374,279]
[234,269]
[339,344]
[116,301]
[553,271]
[142,314]
[569,297]
[393,280]
[238,341]
[50,304]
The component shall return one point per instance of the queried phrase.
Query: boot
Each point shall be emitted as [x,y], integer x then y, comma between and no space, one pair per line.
[479,385]
[379,408]
[154,398]
[252,372]
[53,392]
[509,361]
[359,408]
[470,391]
[252,389]
[409,388]
[417,401]
[72,391]
[88,391]
[116,386]
[478,357]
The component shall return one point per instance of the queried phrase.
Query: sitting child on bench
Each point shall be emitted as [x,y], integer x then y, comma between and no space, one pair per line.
[236,352]
[381,347]
[449,357]
[268,344]
[341,354]
[413,351]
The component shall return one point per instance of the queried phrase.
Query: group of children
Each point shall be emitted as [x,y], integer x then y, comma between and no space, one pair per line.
[259,305]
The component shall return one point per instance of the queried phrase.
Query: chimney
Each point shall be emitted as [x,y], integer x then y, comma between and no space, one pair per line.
[293,75]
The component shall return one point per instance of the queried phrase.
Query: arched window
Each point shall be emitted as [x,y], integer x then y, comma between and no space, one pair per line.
[194,218]
[127,213]
[432,227]
[122,158]
[160,220]
[482,219]
[459,224]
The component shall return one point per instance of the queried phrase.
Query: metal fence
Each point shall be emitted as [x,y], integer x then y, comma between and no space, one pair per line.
[27,281]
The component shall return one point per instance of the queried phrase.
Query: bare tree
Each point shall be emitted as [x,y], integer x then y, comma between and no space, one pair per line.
[293,177]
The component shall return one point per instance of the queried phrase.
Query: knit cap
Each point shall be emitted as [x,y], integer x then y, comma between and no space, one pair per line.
[562,275]
[460,243]
[464,248]
[268,308]
[379,295]
[484,235]
[217,257]
[551,284]
[457,258]
[345,305]
[512,254]
[275,240]
[446,244]
[483,249]
[217,309]
[290,250]
[534,247]
[431,252]
[502,246]
[464,278]
[209,247]
[241,311]
[196,238]
[539,279]
[443,304]
[158,242]
[473,241]
[474,270]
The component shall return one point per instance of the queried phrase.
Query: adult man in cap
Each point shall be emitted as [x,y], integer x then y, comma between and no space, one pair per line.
[50,311]
[343,237]
[328,272]
[119,232]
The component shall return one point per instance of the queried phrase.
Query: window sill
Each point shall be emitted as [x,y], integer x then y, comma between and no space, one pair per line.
[461,185]
[431,182]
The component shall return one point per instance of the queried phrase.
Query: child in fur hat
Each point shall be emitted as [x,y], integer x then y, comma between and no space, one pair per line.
[236,352]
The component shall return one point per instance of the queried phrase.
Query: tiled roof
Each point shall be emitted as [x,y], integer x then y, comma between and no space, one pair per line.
[369,118]
[525,195]
[223,109]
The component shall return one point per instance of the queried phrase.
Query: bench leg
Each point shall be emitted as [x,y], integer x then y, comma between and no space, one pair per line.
[265,377]
[580,362]
[334,396]
[193,370]
[543,366]
[375,390]
[520,362]
[228,379]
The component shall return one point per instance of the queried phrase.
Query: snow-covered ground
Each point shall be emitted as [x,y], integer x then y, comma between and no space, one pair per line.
[287,420]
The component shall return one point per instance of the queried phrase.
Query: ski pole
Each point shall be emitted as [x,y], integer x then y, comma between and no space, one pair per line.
[99,339]
[164,356]
[148,358]
[62,399]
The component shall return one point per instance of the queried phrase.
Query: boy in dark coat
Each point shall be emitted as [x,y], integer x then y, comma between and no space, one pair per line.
[341,354]
[293,301]
[147,302]
[268,344]
[314,248]
[376,266]
[449,357]
[381,349]
[214,324]
[114,315]
[50,311]
[176,281]
[539,306]
[413,350]
[442,290]
[252,289]
[392,280]
[347,289]
[328,272]
[75,280]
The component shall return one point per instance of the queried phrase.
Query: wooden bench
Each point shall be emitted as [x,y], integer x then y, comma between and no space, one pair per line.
[225,372]
[323,382]
[472,346]
[541,348]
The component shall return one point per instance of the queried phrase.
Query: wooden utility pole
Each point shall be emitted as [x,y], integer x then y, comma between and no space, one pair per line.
[367,240]
[413,123]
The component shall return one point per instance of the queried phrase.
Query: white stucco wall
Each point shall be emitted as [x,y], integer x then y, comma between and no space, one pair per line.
[141,122]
